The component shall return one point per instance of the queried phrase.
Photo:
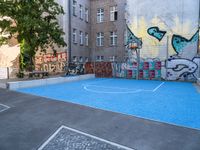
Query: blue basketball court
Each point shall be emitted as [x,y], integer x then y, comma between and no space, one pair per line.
[175,103]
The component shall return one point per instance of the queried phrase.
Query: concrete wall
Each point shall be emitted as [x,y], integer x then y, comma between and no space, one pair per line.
[169,31]
[44,82]
[9,58]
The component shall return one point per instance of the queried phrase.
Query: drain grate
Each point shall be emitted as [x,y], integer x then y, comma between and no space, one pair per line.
[70,139]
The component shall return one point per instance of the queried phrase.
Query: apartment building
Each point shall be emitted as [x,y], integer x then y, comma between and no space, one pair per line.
[108,26]
[80,30]
[96,30]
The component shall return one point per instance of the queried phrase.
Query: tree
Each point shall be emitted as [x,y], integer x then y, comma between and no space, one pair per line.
[34,23]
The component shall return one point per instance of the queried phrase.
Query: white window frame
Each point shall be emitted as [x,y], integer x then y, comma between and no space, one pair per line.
[86,39]
[99,58]
[100,39]
[86,14]
[86,59]
[81,37]
[81,59]
[113,12]
[113,58]
[74,3]
[74,59]
[100,15]
[81,11]
[74,36]
[113,38]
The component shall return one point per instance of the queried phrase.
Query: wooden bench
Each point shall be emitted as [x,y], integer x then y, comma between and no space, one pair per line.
[38,74]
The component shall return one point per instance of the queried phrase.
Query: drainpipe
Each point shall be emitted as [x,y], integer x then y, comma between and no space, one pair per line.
[199,29]
[69,30]
[199,37]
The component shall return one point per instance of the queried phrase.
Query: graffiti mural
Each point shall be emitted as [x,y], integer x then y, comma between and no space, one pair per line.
[181,45]
[51,63]
[175,31]
[184,65]
[101,69]
[156,32]
[149,70]
[131,38]
[181,69]
[74,69]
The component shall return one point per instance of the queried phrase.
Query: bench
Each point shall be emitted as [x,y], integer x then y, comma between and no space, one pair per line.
[38,74]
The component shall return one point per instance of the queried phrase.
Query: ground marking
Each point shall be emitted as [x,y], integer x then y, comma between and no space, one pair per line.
[109,87]
[97,82]
[83,133]
[6,107]
[159,86]
[125,92]
[86,87]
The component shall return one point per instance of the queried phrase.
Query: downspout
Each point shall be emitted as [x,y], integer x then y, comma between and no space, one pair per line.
[69,30]
[199,30]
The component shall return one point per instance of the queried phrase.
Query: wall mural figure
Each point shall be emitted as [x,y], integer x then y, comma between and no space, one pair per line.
[184,65]
[133,45]
[156,32]
[131,38]
[180,44]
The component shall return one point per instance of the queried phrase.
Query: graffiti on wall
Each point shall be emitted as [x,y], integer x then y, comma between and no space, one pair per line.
[50,62]
[180,44]
[131,38]
[101,69]
[149,70]
[184,64]
[166,35]
[156,32]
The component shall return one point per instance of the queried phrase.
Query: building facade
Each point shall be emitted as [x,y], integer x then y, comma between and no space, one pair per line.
[108,27]
[94,29]
[80,30]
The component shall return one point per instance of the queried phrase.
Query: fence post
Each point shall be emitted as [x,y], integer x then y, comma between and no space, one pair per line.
[8,73]
[167,57]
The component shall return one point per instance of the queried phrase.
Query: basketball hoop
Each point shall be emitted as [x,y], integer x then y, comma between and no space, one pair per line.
[133,47]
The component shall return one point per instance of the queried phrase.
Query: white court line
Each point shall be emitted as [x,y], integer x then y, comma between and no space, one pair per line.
[6,107]
[83,133]
[97,82]
[109,87]
[154,90]
[86,87]
[117,92]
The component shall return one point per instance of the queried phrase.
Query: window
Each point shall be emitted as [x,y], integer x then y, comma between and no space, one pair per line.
[99,58]
[100,39]
[86,15]
[100,15]
[74,59]
[81,38]
[113,38]
[74,37]
[86,39]
[81,12]
[113,58]
[86,59]
[80,59]
[113,13]
[74,7]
